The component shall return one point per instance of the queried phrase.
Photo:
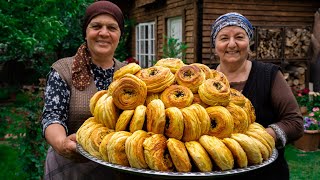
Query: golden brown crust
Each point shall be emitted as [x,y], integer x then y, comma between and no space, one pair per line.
[177,96]
[207,71]
[259,129]
[219,76]
[116,148]
[94,99]
[123,120]
[109,113]
[221,121]
[156,116]
[203,117]
[248,107]
[131,68]
[190,76]
[197,100]
[129,93]
[98,112]
[138,118]
[260,138]
[199,156]
[155,153]
[237,97]
[95,140]
[250,147]
[174,123]
[134,149]
[179,155]
[192,125]
[218,151]
[151,96]
[263,149]
[214,92]
[237,151]
[103,146]
[172,63]
[157,78]
[240,118]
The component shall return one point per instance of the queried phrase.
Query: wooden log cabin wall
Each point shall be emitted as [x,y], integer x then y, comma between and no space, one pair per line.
[282,29]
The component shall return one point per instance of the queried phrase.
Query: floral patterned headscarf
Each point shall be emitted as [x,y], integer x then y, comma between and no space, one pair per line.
[81,74]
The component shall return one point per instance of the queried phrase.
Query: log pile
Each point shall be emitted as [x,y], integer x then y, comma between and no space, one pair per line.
[269,43]
[297,42]
[295,75]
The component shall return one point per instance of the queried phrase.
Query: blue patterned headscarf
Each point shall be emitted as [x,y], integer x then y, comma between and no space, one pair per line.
[231,19]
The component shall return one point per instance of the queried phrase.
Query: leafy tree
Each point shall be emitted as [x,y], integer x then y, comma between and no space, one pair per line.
[37,32]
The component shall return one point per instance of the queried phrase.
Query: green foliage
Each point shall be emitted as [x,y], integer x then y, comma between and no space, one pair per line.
[24,126]
[37,32]
[173,48]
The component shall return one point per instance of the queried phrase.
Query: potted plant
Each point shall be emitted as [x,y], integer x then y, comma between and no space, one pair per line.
[310,141]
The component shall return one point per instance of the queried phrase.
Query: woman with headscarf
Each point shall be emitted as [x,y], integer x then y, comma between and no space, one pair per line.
[71,83]
[262,83]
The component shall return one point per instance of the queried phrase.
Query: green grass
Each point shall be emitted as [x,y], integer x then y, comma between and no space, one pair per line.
[303,165]
[9,163]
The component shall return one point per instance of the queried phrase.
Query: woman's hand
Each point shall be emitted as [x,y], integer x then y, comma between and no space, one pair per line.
[62,144]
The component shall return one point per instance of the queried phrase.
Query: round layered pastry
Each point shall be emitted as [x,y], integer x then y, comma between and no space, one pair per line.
[174,123]
[179,155]
[103,146]
[138,119]
[156,154]
[131,68]
[190,76]
[203,117]
[134,149]
[250,147]
[108,113]
[83,128]
[249,108]
[199,156]
[177,96]
[129,93]
[218,151]
[260,130]
[192,124]
[156,116]
[124,120]
[157,78]
[152,96]
[219,76]
[214,92]
[237,97]
[240,118]
[237,151]
[221,121]
[116,148]
[172,63]
[94,99]
[95,140]
[197,100]
[207,71]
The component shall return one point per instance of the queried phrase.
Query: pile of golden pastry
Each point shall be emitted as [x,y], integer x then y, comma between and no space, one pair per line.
[174,117]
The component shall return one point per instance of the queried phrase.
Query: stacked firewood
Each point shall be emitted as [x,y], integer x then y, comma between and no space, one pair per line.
[297,42]
[269,43]
[295,75]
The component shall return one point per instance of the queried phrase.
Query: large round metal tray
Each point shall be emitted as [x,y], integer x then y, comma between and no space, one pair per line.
[182,175]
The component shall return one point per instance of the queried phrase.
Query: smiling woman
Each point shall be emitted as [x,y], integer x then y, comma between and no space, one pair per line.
[262,83]
[71,83]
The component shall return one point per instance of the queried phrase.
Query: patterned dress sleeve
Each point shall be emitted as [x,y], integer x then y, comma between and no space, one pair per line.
[56,102]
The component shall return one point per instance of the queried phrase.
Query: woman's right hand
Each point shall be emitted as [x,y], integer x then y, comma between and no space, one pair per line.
[62,144]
